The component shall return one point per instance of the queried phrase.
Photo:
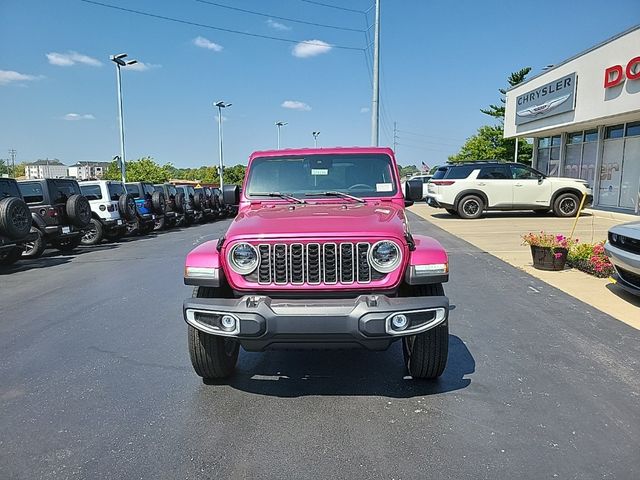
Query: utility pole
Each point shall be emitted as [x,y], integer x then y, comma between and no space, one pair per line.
[395,136]
[120,61]
[315,139]
[375,102]
[220,106]
[12,155]
[278,126]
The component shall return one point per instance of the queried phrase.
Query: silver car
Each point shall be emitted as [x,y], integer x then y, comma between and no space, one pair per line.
[623,249]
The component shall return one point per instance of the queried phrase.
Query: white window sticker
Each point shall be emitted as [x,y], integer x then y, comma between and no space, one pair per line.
[384,187]
[319,171]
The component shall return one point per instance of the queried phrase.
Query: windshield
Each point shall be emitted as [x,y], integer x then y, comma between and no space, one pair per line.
[360,175]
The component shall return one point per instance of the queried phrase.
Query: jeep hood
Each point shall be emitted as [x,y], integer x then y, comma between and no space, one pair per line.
[329,220]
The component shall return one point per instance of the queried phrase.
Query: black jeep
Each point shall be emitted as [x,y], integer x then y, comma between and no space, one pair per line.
[149,203]
[59,213]
[15,222]
[175,205]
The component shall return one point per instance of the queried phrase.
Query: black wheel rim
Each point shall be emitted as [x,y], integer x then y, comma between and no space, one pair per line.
[471,207]
[567,205]
[90,234]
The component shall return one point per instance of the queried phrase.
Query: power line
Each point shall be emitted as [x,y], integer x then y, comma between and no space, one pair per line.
[211,27]
[335,6]
[293,20]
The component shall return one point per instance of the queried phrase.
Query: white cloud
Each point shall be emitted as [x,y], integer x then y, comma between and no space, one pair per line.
[71,58]
[78,116]
[278,26]
[295,105]
[142,67]
[8,76]
[208,44]
[365,110]
[310,48]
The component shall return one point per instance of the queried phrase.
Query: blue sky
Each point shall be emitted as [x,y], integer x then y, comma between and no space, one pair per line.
[441,62]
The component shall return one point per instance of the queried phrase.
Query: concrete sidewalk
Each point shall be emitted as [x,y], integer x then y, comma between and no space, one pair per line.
[499,233]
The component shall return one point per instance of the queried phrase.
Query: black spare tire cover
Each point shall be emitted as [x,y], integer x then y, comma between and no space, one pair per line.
[15,218]
[127,207]
[158,202]
[179,200]
[79,210]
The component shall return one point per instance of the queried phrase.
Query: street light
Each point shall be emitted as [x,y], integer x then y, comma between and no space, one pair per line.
[278,125]
[220,104]
[315,139]
[120,61]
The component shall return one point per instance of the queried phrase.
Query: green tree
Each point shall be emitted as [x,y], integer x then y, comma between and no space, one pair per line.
[145,169]
[516,78]
[408,170]
[234,175]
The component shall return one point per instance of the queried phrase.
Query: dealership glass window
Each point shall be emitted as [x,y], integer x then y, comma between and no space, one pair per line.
[580,155]
[620,171]
[548,161]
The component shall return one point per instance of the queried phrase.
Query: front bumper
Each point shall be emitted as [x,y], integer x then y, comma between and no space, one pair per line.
[267,323]
[627,265]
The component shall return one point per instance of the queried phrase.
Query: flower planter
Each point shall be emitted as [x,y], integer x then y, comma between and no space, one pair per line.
[548,258]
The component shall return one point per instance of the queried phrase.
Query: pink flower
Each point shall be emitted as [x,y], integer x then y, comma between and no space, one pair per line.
[558,255]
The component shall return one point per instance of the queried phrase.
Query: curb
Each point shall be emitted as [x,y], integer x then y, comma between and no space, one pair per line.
[623,217]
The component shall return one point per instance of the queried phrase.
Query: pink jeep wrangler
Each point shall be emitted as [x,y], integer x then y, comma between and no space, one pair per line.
[320,255]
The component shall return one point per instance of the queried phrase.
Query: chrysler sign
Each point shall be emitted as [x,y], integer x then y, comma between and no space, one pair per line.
[550,99]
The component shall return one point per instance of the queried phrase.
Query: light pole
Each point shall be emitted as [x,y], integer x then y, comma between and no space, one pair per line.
[315,139]
[375,102]
[120,61]
[278,126]
[220,104]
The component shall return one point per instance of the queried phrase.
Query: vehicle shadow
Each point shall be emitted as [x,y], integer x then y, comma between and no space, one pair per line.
[31,264]
[346,372]
[623,294]
[506,214]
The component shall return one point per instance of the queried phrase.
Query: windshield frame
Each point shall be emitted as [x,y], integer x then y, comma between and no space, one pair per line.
[392,193]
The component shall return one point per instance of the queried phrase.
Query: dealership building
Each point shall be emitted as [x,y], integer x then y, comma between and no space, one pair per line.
[584,117]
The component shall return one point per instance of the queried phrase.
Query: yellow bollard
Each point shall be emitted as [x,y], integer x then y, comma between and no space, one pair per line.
[575,222]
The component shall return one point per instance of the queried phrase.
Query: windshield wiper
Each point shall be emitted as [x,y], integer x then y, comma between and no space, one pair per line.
[334,193]
[278,194]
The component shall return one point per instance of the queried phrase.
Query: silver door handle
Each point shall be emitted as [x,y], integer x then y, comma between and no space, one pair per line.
[519,185]
[481,184]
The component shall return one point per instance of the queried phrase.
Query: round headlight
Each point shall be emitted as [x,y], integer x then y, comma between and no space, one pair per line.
[385,256]
[243,258]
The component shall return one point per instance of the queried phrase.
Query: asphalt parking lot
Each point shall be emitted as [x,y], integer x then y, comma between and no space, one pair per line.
[95,382]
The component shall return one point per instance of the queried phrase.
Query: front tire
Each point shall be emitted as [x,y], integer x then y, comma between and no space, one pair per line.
[68,246]
[566,205]
[212,356]
[11,256]
[470,207]
[160,223]
[425,354]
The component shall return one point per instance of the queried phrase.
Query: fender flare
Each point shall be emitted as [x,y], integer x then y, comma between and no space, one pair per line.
[562,190]
[205,255]
[428,251]
[464,193]
[38,222]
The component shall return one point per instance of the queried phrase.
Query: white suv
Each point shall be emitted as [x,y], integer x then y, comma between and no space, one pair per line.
[469,189]
[112,208]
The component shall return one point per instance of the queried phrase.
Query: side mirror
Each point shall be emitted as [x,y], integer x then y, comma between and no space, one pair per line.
[231,194]
[413,190]
[540,178]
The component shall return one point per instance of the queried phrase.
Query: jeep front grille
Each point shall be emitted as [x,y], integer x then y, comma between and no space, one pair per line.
[314,263]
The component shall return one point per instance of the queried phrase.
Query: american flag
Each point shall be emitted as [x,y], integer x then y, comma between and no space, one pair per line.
[425,167]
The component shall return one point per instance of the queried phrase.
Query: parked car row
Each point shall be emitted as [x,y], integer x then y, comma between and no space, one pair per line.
[63,214]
